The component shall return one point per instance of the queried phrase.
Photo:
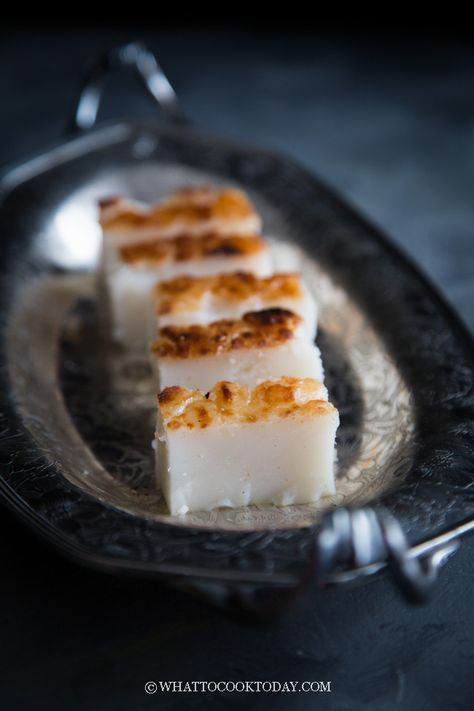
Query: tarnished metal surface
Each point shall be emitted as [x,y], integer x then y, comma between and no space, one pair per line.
[92,410]
[76,420]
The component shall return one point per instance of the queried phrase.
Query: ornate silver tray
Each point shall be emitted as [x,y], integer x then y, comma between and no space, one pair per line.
[77,419]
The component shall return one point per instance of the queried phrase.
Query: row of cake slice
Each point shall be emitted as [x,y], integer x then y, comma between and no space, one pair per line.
[243,416]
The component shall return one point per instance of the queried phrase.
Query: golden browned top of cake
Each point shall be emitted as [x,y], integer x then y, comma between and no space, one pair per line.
[188,207]
[230,402]
[187,248]
[185,293]
[256,329]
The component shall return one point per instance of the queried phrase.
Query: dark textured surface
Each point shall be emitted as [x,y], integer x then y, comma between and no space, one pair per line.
[94,641]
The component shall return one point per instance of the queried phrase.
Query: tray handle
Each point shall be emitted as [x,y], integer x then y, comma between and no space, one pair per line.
[135,57]
[353,543]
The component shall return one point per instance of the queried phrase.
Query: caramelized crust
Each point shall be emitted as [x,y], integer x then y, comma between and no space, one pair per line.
[256,329]
[185,293]
[186,248]
[230,402]
[188,207]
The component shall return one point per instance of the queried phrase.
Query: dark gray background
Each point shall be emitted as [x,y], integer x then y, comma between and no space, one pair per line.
[388,121]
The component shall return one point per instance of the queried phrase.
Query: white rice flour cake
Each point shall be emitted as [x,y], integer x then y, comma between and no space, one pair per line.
[189,300]
[128,276]
[191,211]
[259,346]
[234,447]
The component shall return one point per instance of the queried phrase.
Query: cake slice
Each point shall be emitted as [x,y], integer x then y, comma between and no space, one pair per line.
[191,211]
[259,346]
[128,277]
[189,300]
[234,447]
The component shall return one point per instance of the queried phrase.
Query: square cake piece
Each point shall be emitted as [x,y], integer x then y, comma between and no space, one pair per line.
[188,300]
[191,211]
[234,447]
[259,346]
[128,277]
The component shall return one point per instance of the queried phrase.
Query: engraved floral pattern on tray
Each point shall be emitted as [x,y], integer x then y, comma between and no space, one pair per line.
[93,410]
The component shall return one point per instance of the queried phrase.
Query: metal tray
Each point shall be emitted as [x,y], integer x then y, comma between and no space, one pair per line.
[77,421]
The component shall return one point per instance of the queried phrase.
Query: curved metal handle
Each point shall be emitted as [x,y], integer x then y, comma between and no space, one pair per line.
[138,58]
[357,542]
